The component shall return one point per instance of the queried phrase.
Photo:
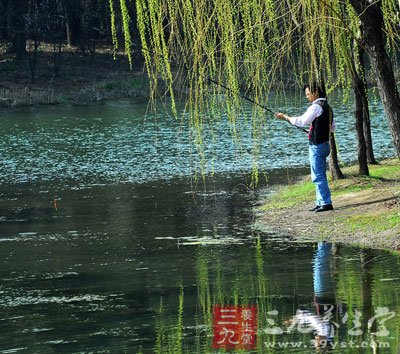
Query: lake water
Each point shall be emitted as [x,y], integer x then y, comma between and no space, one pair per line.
[109,244]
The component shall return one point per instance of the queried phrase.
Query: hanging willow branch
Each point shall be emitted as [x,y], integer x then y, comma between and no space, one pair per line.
[127,34]
[252,46]
[113,27]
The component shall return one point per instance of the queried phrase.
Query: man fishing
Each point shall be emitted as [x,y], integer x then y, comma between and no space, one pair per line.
[318,116]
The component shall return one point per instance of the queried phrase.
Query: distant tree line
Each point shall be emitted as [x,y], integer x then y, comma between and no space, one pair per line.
[80,23]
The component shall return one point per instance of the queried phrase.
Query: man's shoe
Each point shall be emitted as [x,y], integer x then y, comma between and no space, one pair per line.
[325,207]
[315,208]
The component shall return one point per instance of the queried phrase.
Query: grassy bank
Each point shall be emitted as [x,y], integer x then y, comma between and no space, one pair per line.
[367,209]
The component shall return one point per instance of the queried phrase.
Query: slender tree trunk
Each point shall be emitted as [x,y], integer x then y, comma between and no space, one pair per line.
[367,263]
[32,56]
[367,132]
[3,19]
[9,19]
[358,86]
[57,50]
[68,32]
[360,98]
[365,105]
[73,15]
[336,172]
[371,17]
[16,27]
[334,167]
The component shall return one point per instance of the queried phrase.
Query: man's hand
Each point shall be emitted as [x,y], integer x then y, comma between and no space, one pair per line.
[280,115]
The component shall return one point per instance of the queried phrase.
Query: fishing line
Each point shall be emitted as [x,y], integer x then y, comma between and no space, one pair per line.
[240,95]
[215,82]
[251,100]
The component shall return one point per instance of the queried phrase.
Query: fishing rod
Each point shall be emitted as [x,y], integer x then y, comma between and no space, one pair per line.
[240,95]
[251,100]
[230,90]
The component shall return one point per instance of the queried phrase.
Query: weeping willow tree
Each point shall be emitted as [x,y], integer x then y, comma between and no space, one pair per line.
[223,47]
[379,26]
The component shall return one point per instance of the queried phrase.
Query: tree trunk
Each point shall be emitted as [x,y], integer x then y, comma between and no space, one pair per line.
[3,20]
[73,12]
[57,50]
[367,132]
[358,86]
[10,19]
[32,56]
[367,263]
[336,172]
[69,35]
[365,105]
[374,41]
[16,27]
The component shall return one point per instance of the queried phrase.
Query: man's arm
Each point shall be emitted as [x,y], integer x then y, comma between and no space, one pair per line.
[305,119]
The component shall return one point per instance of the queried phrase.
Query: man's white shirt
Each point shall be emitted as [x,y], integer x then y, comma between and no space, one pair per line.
[312,112]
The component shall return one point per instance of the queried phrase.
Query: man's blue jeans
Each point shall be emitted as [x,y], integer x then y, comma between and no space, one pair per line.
[318,154]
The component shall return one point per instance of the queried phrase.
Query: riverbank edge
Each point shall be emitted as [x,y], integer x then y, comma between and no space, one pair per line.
[366,214]
[81,78]
[131,86]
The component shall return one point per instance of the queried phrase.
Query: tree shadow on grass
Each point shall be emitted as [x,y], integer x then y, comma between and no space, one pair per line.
[376,201]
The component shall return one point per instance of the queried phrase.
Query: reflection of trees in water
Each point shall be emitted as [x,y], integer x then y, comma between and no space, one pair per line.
[367,258]
[169,329]
[221,280]
[361,287]
[339,279]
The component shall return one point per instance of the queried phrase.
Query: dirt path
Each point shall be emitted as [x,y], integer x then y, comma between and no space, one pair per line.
[368,218]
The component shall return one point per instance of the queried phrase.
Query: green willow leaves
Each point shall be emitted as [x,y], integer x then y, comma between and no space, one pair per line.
[250,46]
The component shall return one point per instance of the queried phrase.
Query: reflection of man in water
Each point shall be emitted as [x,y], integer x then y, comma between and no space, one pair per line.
[324,297]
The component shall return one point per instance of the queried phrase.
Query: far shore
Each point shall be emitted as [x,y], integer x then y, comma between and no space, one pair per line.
[81,78]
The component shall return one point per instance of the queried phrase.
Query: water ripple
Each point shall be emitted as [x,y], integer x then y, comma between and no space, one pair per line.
[125,145]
